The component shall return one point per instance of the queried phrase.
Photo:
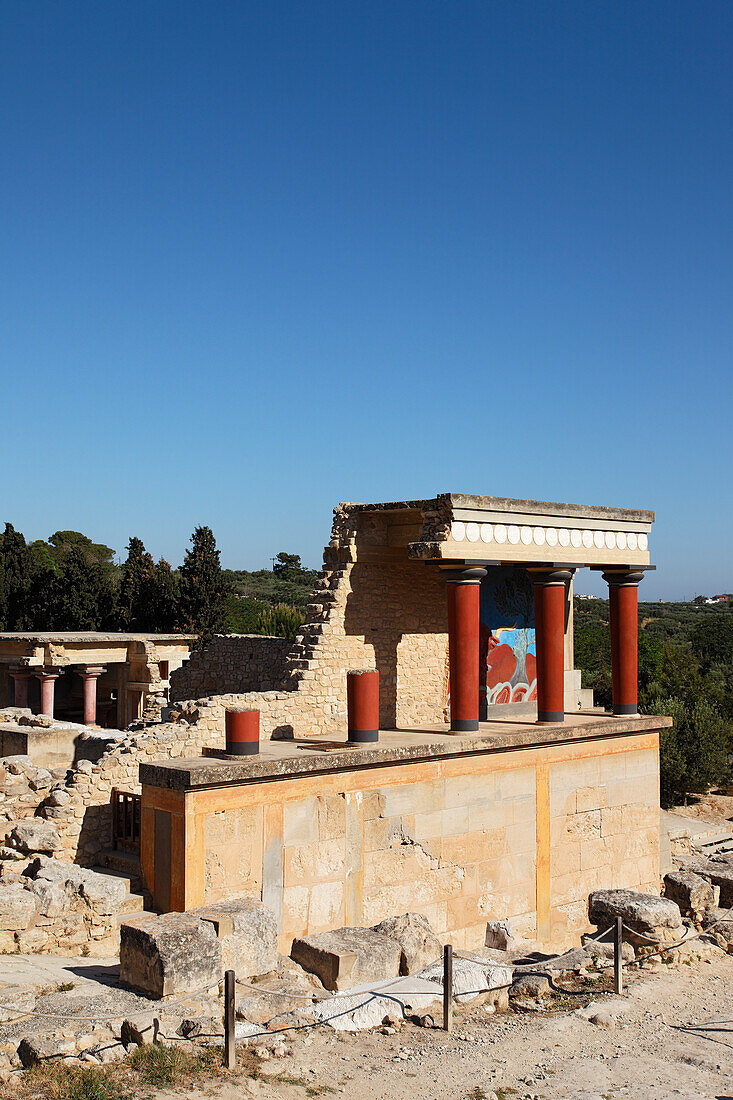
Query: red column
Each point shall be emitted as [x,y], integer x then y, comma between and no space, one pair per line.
[90,677]
[20,686]
[362,704]
[623,593]
[550,596]
[48,679]
[242,732]
[464,592]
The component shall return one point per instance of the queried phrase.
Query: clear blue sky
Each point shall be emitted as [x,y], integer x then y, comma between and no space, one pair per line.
[258,258]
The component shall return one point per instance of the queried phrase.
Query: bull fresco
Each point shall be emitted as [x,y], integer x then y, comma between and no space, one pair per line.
[507,655]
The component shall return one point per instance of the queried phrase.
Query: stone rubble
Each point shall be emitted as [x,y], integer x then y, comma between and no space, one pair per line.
[59,908]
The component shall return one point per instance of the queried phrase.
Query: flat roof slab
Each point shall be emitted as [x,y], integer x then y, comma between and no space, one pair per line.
[283,759]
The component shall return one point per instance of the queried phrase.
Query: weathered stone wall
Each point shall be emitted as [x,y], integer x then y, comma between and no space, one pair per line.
[525,835]
[81,806]
[387,615]
[232,663]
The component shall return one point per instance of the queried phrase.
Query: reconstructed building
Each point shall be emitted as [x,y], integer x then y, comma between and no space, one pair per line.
[495,789]
[94,678]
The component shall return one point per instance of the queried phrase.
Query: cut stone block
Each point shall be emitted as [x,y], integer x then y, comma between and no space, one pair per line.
[248,933]
[348,956]
[690,891]
[361,1010]
[500,936]
[654,917]
[34,1049]
[419,945]
[53,881]
[168,955]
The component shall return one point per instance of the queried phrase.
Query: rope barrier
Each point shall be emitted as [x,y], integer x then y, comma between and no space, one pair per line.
[383,991]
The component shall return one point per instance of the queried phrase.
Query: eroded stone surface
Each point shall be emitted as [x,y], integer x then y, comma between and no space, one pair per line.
[348,956]
[640,912]
[248,933]
[418,943]
[173,954]
[34,835]
[690,891]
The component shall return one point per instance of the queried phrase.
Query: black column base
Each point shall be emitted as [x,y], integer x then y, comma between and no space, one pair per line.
[550,715]
[464,725]
[363,737]
[625,708]
[242,748]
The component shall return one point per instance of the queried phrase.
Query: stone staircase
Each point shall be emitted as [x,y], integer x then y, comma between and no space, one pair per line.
[125,867]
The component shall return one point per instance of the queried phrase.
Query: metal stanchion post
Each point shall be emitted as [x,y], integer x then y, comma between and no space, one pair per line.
[618,943]
[230,1047]
[448,987]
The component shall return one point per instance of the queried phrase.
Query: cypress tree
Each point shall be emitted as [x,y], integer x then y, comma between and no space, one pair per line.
[137,571]
[202,585]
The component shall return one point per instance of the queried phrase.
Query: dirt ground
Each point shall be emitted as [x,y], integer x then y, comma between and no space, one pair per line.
[669,1035]
[716,808]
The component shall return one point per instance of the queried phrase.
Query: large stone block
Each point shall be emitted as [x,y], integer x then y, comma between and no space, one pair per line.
[348,956]
[647,918]
[691,892]
[168,955]
[418,943]
[248,933]
[53,881]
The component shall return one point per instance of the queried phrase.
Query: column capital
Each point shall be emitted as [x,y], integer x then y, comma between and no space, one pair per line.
[91,672]
[47,673]
[473,574]
[550,576]
[625,577]
[21,671]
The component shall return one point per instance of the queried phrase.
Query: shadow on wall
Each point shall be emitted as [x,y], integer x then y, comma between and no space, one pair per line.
[388,602]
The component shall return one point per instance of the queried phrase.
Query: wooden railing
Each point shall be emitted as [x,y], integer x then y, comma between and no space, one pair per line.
[125,820]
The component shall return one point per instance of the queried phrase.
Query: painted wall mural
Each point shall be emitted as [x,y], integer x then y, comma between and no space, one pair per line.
[507,654]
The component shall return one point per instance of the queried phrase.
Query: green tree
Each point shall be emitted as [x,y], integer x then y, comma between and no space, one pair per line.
[287,566]
[712,641]
[84,597]
[14,579]
[694,752]
[202,586]
[44,590]
[137,572]
[160,593]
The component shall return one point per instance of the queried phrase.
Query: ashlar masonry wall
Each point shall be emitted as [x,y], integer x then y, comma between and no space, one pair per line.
[525,834]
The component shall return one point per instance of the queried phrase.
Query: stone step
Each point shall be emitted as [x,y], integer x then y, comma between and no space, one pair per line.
[134,905]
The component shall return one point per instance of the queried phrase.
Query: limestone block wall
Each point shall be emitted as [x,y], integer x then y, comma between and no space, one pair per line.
[526,835]
[231,663]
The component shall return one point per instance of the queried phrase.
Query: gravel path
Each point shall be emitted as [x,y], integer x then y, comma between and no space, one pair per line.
[670,1035]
